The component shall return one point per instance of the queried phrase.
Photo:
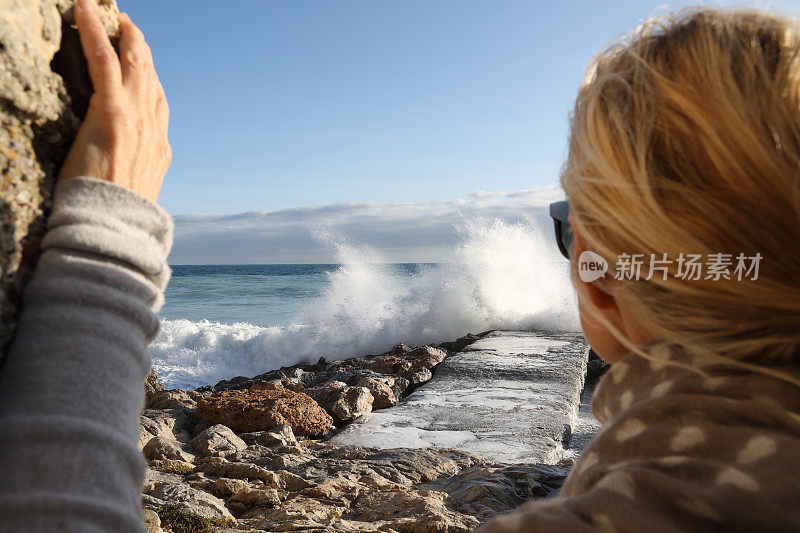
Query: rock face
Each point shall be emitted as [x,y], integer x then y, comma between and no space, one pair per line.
[261,410]
[44,93]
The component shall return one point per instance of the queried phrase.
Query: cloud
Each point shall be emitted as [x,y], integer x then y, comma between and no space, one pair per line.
[400,232]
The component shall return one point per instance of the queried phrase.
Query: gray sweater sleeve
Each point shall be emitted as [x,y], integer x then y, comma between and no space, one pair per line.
[71,385]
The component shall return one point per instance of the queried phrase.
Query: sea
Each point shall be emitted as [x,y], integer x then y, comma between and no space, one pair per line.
[221,321]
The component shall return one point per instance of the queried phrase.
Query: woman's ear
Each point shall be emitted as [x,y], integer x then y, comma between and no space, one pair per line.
[595,290]
[599,301]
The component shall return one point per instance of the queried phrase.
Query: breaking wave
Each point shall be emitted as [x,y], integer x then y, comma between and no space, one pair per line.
[501,276]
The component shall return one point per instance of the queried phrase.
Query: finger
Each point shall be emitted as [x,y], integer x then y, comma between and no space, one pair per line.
[104,67]
[137,60]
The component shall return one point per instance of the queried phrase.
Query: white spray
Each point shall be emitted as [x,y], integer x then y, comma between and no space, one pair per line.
[502,276]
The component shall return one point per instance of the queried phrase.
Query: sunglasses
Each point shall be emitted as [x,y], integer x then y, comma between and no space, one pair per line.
[565,237]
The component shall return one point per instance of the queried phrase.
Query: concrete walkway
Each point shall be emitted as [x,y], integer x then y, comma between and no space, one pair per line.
[511,397]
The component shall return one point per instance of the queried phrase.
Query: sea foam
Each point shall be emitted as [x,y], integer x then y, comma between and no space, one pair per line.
[501,275]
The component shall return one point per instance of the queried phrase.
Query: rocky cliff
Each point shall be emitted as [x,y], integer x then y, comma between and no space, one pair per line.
[44,93]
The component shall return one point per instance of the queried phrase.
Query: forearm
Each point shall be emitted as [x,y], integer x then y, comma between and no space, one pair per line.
[71,385]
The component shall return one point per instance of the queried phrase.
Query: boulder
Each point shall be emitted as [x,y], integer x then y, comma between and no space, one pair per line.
[460,343]
[237,383]
[343,403]
[353,402]
[248,498]
[154,478]
[44,94]
[400,387]
[152,523]
[402,510]
[280,480]
[217,440]
[303,376]
[173,399]
[399,349]
[152,385]
[247,411]
[236,470]
[279,436]
[487,491]
[226,487]
[177,424]
[159,448]
[426,356]
[293,384]
[184,497]
[595,368]
[417,377]
[383,396]
[410,362]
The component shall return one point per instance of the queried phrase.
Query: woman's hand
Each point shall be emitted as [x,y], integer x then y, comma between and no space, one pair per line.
[123,138]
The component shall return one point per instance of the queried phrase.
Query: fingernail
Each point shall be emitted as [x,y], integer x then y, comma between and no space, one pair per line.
[87,5]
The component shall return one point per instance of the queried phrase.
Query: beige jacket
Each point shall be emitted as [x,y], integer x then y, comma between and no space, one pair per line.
[680,452]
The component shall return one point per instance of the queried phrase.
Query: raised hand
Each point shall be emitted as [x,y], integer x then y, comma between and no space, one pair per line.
[123,138]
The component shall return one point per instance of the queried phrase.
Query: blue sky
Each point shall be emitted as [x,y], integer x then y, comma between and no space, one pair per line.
[283,104]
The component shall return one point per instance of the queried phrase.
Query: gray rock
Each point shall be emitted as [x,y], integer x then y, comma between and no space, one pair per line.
[153,478]
[382,391]
[343,403]
[218,440]
[460,343]
[159,448]
[253,497]
[152,523]
[595,369]
[152,385]
[487,491]
[172,399]
[222,487]
[399,349]
[189,499]
[416,378]
[401,385]
[280,436]
[353,403]
[175,424]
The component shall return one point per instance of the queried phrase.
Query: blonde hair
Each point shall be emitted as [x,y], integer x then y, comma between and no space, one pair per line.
[685,137]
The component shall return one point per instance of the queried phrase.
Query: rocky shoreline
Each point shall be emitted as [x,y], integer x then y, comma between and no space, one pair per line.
[253,454]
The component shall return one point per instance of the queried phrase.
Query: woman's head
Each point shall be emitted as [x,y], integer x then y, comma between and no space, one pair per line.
[686,139]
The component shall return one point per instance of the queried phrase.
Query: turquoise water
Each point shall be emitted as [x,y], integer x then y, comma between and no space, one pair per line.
[261,295]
